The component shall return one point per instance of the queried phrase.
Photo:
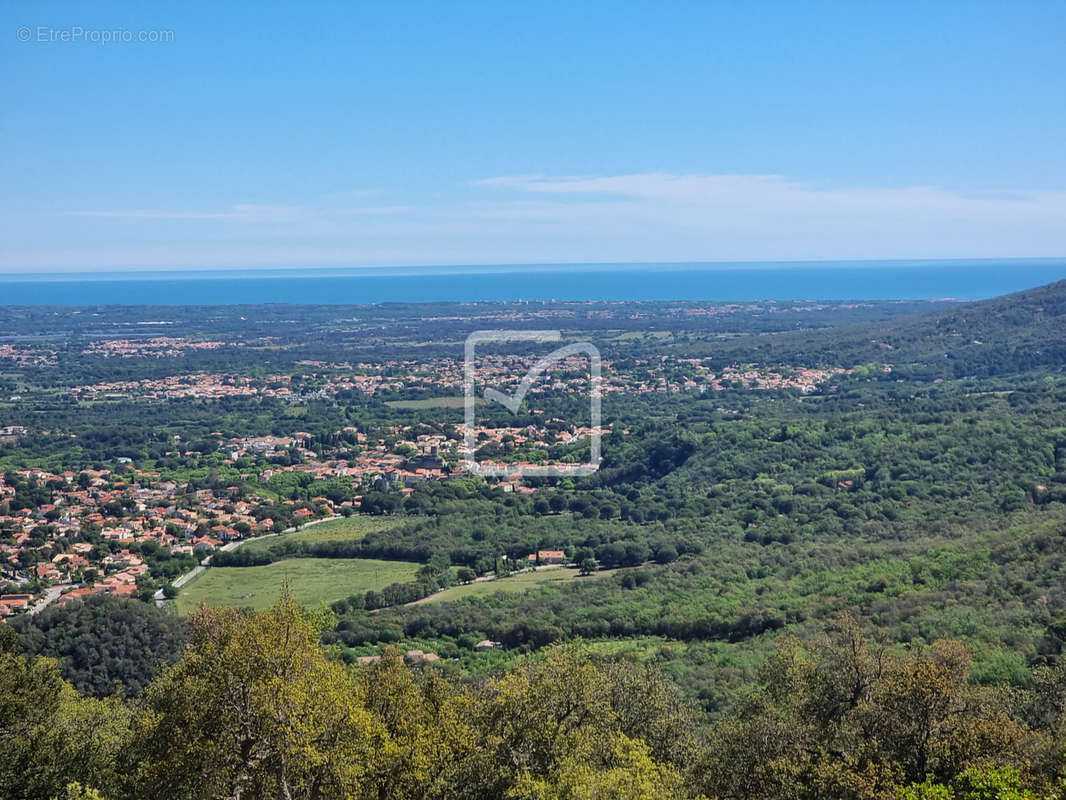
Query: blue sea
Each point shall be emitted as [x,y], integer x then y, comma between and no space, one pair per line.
[821,280]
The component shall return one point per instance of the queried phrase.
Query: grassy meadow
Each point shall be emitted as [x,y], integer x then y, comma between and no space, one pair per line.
[312,581]
[513,583]
[334,530]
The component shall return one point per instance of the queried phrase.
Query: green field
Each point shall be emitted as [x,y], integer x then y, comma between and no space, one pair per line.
[638,335]
[313,581]
[513,583]
[334,530]
[429,402]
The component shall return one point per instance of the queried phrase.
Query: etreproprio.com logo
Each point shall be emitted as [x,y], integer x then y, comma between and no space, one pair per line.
[77,34]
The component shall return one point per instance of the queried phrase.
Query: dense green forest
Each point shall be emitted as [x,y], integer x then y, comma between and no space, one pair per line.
[255,708]
[105,645]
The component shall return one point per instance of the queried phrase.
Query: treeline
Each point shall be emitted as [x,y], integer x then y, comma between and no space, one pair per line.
[431,579]
[1002,336]
[255,708]
[243,557]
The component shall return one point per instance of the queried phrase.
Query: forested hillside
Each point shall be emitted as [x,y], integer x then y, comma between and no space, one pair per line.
[106,645]
[829,560]
[1002,336]
[256,709]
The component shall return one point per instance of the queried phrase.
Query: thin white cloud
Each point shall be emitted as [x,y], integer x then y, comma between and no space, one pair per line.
[351,194]
[243,212]
[778,193]
[542,218]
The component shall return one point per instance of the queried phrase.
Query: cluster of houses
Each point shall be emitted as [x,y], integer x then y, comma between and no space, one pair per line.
[122,583]
[28,355]
[805,379]
[437,375]
[693,375]
[199,386]
[153,347]
[124,512]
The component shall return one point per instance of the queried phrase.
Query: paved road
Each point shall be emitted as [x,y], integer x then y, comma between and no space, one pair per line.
[50,596]
[188,576]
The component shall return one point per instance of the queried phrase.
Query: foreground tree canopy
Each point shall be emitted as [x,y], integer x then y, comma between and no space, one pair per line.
[255,708]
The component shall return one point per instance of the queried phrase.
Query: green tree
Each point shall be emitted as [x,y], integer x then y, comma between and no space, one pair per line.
[49,735]
[628,772]
[254,709]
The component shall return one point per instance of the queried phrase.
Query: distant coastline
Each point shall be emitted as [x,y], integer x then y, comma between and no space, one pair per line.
[964,279]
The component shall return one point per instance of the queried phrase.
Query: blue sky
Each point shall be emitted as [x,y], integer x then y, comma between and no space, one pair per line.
[357,134]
